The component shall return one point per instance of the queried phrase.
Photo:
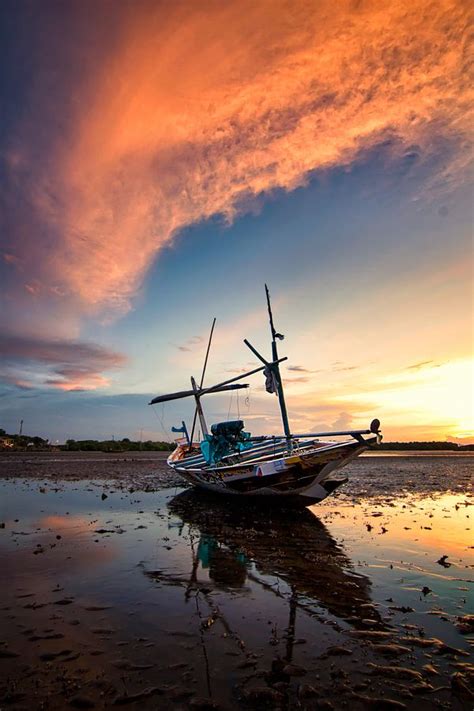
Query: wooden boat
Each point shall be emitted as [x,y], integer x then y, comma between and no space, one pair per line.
[296,468]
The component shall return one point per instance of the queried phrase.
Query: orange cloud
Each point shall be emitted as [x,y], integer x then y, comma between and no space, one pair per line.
[200,108]
[66,365]
[78,379]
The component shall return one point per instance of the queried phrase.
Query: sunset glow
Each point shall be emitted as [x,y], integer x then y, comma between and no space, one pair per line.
[163,161]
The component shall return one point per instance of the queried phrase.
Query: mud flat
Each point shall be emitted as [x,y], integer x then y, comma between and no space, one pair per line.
[122,588]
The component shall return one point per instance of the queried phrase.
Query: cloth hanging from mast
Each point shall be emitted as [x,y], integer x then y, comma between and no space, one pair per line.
[271,383]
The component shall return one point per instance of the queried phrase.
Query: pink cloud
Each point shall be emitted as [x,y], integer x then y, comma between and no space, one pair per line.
[11,259]
[198,110]
[34,289]
[83,381]
[180,111]
[66,365]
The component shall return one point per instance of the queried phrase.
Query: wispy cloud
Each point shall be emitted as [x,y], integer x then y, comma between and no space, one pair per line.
[422,364]
[67,365]
[190,345]
[10,379]
[300,379]
[342,422]
[337,367]
[200,108]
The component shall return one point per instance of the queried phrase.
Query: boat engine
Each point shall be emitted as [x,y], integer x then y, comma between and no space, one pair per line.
[226,438]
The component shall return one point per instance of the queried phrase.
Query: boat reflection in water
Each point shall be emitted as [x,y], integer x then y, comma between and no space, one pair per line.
[241,557]
[244,544]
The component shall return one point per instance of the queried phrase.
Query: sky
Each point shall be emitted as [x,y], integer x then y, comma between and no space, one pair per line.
[160,162]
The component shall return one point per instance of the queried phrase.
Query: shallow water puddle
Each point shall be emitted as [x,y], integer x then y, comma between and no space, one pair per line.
[418,553]
[161,598]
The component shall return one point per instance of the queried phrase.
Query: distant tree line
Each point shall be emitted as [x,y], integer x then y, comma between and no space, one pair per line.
[10,442]
[449,446]
[116,445]
[16,441]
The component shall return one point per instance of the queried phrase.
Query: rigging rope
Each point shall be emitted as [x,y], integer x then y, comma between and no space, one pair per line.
[160,420]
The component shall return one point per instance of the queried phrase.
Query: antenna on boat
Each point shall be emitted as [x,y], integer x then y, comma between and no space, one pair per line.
[198,410]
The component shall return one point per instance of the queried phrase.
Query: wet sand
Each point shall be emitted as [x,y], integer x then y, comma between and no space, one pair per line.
[122,588]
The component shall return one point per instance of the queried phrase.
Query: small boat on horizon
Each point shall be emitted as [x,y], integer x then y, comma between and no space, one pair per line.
[291,468]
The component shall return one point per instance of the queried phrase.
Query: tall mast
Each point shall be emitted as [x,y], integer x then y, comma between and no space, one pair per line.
[198,410]
[276,370]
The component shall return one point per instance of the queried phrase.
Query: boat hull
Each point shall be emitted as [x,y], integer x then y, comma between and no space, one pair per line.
[303,478]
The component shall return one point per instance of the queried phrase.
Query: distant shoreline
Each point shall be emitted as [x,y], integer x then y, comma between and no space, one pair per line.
[23,443]
[157,454]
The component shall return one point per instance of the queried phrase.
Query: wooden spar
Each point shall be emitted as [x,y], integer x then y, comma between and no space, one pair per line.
[202,375]
[199,411]
[220,387]
[214,388]
[207,353]
[276,370]
[312,435]
[342,433]
[256,353]
[188,393]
